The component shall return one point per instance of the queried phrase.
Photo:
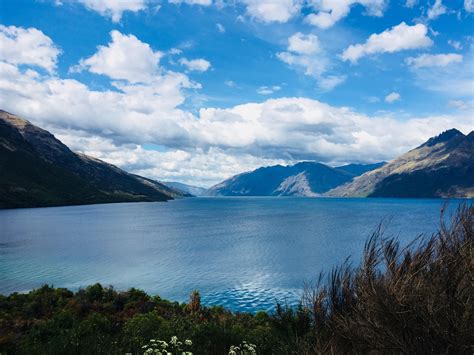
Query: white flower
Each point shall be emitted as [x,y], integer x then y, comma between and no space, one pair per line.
[188,342]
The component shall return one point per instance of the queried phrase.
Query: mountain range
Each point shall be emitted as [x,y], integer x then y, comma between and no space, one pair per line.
[38,170]
[441,167]
[301,179]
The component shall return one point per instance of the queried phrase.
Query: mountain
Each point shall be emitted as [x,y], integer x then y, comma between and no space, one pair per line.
[359,169]
[441,167]
[190,189]
[38,170]
[302,179]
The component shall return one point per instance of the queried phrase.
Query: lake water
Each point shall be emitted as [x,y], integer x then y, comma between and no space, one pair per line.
[243,253]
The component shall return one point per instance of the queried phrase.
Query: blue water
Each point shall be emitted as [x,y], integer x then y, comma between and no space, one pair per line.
[243,253]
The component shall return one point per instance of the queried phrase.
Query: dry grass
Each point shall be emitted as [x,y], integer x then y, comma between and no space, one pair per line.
[418,299]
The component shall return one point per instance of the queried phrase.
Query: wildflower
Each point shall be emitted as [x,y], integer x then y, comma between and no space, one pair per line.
[188,342]
[174,340]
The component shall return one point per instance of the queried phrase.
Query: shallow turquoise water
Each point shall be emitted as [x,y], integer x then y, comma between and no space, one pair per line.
[243,253]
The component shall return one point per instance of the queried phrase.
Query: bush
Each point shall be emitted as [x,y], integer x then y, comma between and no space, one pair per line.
[413,300]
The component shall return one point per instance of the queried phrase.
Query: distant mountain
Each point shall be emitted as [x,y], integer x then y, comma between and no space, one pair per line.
[441,167]
[302,179]
[190,189]
[38,170]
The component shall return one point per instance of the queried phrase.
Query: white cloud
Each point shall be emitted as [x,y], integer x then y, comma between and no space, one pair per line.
[392,97]
[201,65]
[125,58]
[397,38]
[469,5]
[304,44]
[230,83]
[267,90]
[454,81]
[220,27]
[434,60]
[455,44]
[272,10]
[304,54]
[411,3]
[115,125]
[331,11]
[218,142]
[192,2]
[329,82]
[114,8]
[436,10]
[29,46]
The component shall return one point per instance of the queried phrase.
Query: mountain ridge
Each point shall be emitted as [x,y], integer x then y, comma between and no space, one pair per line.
[305,178]
[38,170]
[443,166]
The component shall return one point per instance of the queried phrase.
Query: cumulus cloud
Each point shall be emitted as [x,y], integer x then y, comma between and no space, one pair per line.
[304,44]
[395,39]
[436,10]
[30,46]
[392,97]
[267,90]
[201,65]
[272,10]
[114,8]
[117,124]
[124,58]
[284,129]
[434,60]
[331,11]
[304,54]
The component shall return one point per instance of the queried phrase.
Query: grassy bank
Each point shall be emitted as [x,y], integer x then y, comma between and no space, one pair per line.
[418,299]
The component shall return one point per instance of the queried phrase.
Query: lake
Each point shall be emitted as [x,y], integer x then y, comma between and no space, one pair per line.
[240,252]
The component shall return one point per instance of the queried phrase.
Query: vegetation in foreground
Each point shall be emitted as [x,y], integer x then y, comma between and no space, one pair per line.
[413,300]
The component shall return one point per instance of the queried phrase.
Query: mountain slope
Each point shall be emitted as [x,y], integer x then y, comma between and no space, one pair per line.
[38,170]
[359,169]
[302,179]
[189,189]
[441,167]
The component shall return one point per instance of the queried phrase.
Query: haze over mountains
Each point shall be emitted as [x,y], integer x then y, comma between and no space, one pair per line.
[190,189]
[38,170]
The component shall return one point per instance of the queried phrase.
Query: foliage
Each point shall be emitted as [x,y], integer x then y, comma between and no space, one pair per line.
[412,300]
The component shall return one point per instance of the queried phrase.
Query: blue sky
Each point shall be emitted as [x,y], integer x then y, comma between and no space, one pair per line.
[198,90]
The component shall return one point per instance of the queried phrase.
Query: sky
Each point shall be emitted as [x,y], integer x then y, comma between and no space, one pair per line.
[199,90]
